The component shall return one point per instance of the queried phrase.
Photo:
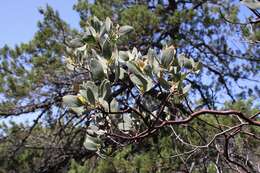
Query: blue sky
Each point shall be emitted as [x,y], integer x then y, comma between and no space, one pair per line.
[18,23]
[18,18]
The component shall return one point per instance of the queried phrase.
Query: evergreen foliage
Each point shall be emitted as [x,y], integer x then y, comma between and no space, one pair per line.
[144,86]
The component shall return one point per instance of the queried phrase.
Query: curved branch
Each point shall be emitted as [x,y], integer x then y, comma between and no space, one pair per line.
[148,132]
[213,112]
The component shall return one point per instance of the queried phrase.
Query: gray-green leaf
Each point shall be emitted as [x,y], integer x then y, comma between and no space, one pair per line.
[91,96]
[93,86]
[138,81]
[125,30]
[96,70]
[133,68]
[167,56]
[78,110]
[91,143]
[70,101]
[124,55]
[105,89]
[108,24]
[76,43]
[107,49]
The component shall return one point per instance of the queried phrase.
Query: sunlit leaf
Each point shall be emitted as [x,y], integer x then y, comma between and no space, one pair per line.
[133,68]
[70,101]
[125,30]
[138,81]
[91,143]
[76,42]
[124,55]
[78,110]
[167,56]
[108,24]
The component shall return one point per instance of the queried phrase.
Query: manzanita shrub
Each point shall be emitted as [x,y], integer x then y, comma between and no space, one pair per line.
[125,91]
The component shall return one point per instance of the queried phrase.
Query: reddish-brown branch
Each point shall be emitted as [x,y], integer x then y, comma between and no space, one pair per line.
[148,132]
[213,112]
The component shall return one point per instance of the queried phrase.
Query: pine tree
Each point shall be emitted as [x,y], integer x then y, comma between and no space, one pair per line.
[131,87]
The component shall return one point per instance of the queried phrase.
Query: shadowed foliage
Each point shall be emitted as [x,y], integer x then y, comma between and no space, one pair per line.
[143,86]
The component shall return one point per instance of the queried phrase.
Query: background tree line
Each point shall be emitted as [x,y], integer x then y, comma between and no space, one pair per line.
[35,77]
